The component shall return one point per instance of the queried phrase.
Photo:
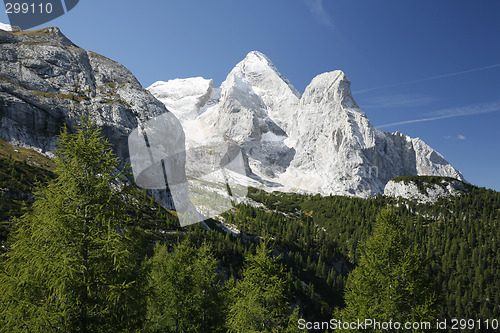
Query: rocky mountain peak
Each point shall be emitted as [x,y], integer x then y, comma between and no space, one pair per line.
[330,87]
[258,70]
[49,35]
[320,142]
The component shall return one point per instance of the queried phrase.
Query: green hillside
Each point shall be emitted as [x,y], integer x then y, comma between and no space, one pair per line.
[317,235]
[314,243]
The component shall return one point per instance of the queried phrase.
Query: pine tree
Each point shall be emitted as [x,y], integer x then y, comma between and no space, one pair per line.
[75,263]
[260,302]
[187,295]
[389,283]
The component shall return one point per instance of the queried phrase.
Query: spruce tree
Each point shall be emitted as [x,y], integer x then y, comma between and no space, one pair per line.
[389,282]
[75,260]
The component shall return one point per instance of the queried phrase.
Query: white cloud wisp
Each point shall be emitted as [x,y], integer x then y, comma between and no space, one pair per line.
[451,113]
[318,10]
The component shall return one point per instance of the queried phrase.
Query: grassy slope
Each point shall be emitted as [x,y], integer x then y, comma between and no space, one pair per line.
[20,171]
[23,170]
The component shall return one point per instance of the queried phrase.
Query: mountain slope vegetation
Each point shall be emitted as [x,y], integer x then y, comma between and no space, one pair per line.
[314,240]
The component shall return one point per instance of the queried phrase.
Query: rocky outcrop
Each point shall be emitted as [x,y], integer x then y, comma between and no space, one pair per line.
[47,82]
[317,142]
[424,191]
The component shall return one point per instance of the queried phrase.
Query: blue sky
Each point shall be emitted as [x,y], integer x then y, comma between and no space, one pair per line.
[429,69]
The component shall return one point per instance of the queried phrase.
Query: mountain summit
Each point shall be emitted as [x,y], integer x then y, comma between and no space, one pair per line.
[317,142]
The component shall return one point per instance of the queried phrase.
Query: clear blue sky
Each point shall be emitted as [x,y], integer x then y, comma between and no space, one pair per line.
[407,60]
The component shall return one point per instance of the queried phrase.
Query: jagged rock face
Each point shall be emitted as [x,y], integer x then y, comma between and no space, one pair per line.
[426,193]
[320,142]
[46,81]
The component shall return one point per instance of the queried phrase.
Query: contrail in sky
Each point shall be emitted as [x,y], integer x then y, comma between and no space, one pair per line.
[428,78]
[451,113]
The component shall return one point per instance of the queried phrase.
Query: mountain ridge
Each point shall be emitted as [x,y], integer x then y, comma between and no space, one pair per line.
[316,142]
[47,82]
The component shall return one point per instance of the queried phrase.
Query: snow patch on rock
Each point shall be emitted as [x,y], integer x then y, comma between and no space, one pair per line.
[6,27]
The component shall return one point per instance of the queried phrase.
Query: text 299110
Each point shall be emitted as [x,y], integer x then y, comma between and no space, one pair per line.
[26,8]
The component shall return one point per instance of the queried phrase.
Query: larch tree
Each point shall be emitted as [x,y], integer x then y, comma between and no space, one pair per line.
[75,263]
[260,302]
[390,282]
[187,295]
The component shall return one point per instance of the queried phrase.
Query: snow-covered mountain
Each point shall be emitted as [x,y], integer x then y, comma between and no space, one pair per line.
[317,142]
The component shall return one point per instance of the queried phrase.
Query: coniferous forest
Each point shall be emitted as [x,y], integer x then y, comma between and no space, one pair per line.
[84,250]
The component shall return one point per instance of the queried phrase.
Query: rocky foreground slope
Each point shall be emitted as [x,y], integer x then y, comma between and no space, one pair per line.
[316,142]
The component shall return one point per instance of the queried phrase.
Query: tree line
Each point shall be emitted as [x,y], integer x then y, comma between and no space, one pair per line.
[80,261]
